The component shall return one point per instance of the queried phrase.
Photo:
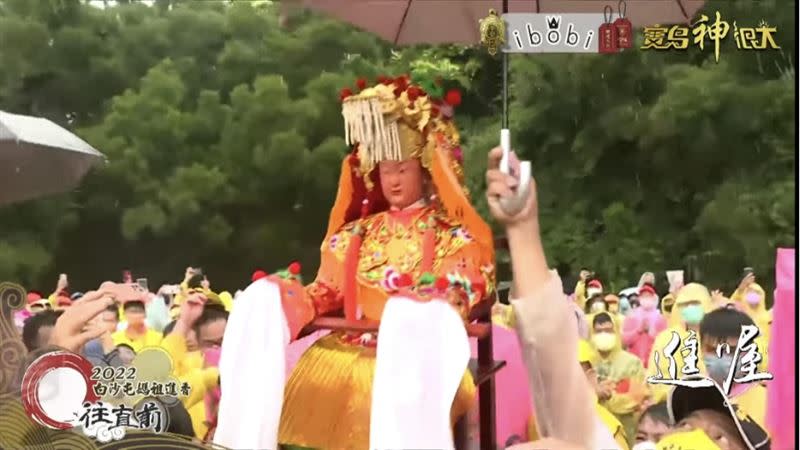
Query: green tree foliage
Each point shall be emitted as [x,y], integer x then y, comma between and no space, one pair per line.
[221,123]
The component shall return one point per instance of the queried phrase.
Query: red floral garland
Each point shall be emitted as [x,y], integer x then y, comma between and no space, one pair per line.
[403,84]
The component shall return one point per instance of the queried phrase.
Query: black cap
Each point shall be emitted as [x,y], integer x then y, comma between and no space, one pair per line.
[704,393]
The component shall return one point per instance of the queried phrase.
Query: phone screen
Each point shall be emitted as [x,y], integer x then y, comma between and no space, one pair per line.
[143,283]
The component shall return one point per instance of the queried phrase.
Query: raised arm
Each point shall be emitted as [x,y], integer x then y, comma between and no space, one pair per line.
[546,326]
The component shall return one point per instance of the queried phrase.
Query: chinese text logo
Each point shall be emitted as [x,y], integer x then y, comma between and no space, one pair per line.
[703,32]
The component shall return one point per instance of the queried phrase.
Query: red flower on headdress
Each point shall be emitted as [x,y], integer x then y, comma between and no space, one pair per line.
[442,283]
[383,79]
[344,93]
[404,280]
[294,268]
[453,97]
[401,82]
[361,83]
[414,93]
[434,111]
[258,274]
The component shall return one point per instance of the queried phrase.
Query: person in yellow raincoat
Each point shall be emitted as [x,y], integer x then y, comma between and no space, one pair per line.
[612,303]
[136,335]
[588,357]
[692,302]
[666,304]
[750,298]
[705,420]
[620,374]
[720,329]
[180,341]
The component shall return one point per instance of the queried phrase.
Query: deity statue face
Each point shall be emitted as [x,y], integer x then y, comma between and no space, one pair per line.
[401,182]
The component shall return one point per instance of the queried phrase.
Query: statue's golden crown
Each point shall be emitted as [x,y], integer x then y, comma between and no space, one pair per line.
[395,120]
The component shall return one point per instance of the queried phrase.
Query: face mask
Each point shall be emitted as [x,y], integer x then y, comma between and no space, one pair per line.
[591,292]
[753,298]
[604,341]
[692,314]
[597,307]
[624,306]
[717,368]
[211,356]
[646,445]
[648,303]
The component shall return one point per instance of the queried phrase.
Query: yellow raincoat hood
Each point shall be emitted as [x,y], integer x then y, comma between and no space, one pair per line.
[760,315]
[668,300]
[586,353]
[614,320]
[739,298]
[690,292]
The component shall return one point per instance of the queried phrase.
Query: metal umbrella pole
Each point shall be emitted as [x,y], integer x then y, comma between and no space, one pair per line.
[511,205]
[505,78]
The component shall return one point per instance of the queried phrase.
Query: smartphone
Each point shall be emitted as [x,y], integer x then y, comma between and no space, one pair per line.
[747,271]
[124,292]
[126,276]
[143,283]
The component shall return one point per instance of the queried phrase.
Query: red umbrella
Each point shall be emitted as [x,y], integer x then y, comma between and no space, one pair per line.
[408,22]
[405,22]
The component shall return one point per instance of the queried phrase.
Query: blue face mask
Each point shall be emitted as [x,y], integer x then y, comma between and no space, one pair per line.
[692,314]
[624,306]
[718,368]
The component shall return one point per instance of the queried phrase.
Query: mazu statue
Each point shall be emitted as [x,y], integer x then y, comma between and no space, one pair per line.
[402,223]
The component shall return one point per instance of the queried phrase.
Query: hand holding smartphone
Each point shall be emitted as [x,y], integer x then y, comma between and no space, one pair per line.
[125,292]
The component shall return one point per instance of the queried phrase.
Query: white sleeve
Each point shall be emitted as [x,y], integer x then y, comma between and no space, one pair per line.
[252,370]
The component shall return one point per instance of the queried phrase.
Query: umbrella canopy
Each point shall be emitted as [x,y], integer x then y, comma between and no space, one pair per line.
[408,22]
[38,157]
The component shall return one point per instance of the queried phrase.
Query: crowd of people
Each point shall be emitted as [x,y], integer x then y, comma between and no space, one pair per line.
[594,359]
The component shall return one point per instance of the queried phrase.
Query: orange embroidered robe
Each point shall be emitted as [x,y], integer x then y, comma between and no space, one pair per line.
[327,397]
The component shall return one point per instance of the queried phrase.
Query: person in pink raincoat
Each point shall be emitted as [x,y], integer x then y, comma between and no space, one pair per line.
[643,324]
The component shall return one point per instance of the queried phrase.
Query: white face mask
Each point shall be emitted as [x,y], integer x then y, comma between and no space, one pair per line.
[597,307]
[646,445]
[592,291]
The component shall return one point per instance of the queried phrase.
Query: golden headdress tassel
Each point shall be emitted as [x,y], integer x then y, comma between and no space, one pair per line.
[365,124]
